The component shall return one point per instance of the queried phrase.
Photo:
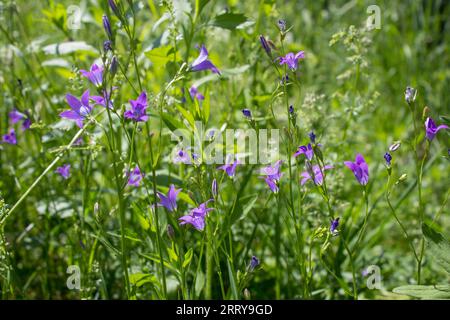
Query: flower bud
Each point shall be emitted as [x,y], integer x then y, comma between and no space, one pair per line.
[107,26]
[170,232]
[114,8]
[214,188]
[410,95]
[265,45]
[114,66]
[107,45]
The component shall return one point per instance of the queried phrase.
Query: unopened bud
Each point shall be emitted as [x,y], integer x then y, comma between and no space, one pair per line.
[170,232]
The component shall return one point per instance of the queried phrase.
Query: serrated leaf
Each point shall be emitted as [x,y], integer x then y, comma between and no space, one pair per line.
[425,292]
[229,21]
[439,247]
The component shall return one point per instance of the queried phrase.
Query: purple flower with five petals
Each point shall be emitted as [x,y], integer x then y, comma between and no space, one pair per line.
[306,150]
[169,201]
[138,109]
[316,172]
[272,175]
[431,129]
[64,171]
[359,169]
[95,75]
[80,109]
[135,177]
[291,59]
[10,137]
[195,94]
[203,63]
[196,217]
[230,168]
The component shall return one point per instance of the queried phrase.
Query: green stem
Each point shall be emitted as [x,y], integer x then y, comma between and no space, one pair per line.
[158,235]
[42,175]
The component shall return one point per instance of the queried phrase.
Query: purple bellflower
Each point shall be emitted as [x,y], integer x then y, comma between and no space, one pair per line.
[138,109]
[10,137]
[316,172]
[64,171]
[431,129]
[203,63]
[272,175]
[15,116]
[359,169]
[182,156]
[135,177]
[95,75]
[291,59]
[306,150]
[196,217]
[195,94]
[101,100]
[26,124]
[230,168]
[79,109]
[170,201]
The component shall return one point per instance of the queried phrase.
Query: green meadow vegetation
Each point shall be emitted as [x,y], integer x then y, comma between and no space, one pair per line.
[98,199]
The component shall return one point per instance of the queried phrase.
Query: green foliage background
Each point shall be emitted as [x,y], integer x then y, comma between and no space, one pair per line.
[352,96]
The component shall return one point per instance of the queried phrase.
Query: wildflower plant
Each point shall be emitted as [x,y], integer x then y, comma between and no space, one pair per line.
[131,148]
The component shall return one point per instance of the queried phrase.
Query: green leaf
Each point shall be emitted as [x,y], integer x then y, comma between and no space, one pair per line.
[171,122]
[199,283]
[68,47]
[188,257]
[187,115]
[229,21]
[425,292]
[139,279]
[439,247]
[161,55]
[234,290]
[172,253]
